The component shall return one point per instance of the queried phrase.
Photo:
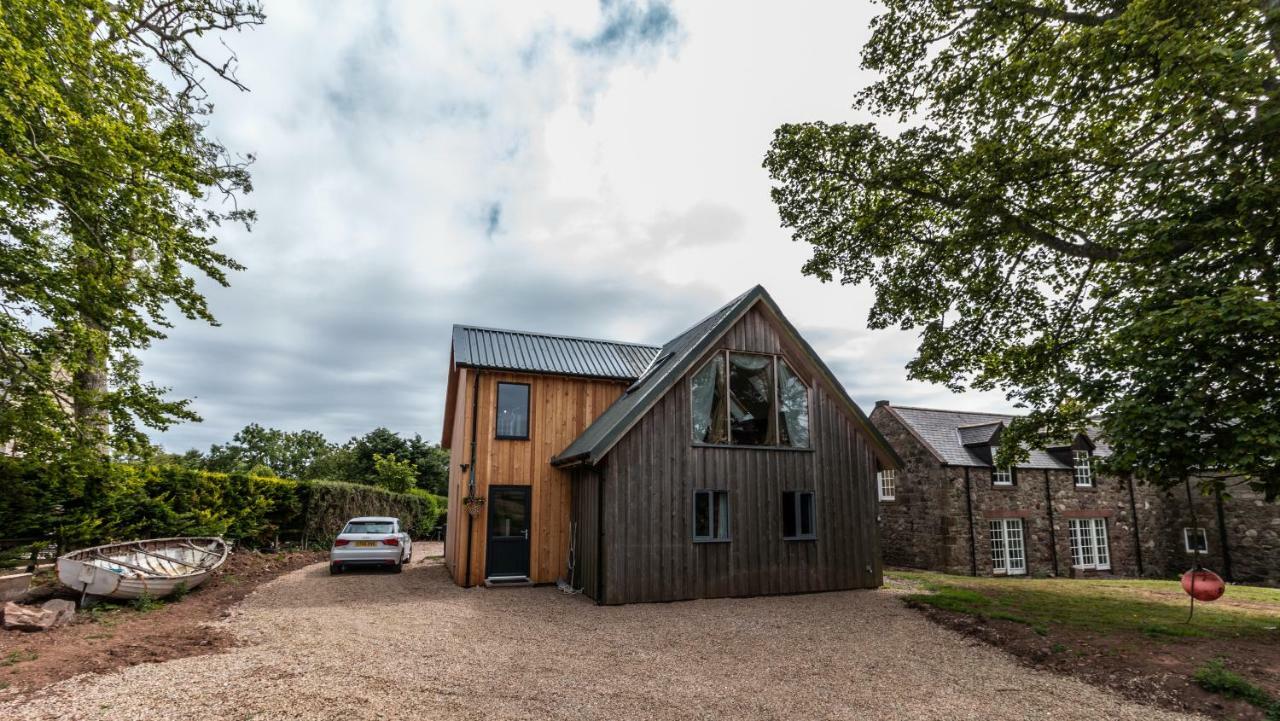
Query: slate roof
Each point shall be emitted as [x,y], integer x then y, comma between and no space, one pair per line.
[979,434]
[514,350]
[676,358]
[944,432]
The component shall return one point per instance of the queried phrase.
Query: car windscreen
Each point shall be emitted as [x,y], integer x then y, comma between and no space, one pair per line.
[369,527]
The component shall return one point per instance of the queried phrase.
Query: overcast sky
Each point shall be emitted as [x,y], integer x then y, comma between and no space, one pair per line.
[586,168]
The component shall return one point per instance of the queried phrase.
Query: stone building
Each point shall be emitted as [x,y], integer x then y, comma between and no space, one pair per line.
[950,509]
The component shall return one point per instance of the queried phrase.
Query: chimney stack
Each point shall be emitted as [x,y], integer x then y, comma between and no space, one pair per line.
[881,403]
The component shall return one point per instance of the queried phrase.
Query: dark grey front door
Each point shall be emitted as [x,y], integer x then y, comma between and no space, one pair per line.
[508,547]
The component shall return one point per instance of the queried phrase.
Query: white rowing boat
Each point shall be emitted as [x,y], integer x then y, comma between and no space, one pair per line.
[153,567]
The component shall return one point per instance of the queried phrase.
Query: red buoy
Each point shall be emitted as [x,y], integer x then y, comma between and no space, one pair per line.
[1208,585]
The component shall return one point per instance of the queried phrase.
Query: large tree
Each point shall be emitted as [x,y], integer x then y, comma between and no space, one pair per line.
[111,195]
[1077,203]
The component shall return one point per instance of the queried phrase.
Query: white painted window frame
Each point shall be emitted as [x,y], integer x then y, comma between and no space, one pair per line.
[887,484]
[1002,477]
[1083,469]
[1090,543]
[1186,539]
[1008,547]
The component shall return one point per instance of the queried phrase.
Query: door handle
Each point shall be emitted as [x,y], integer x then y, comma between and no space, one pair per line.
[526,534]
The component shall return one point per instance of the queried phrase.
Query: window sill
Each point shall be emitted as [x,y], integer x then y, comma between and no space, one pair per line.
[799,538]
[1086,488]
[891,499]
[736,447]
[511,438]
[712,540]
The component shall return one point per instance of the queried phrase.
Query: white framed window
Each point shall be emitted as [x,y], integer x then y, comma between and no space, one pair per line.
[1195,540]
[1084,469]
[1089,546]
[1008,549]
[1002,477]
[710,516]
[887,481]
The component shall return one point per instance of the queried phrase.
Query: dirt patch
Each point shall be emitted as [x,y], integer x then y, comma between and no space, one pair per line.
[107,638]
[1156,672]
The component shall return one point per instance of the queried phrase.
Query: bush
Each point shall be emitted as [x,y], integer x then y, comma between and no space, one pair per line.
[330,504]
[113,502]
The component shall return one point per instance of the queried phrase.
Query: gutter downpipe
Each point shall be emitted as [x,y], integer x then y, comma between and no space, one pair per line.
[1053,535]
[973,539]
[471,468]
[1222,535]
[1133,514]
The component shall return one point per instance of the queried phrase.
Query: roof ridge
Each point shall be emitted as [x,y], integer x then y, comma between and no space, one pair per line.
[952,410]
[976,425]
[560,336]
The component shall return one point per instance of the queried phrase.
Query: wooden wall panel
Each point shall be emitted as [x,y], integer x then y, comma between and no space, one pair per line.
[560,408]
[650,475]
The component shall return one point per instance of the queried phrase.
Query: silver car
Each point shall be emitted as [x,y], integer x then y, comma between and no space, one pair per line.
[371,541]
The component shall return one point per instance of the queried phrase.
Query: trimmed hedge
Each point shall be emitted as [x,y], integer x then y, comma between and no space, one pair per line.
[119,502]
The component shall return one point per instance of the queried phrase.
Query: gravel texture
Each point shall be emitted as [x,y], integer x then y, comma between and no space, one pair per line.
[414,646]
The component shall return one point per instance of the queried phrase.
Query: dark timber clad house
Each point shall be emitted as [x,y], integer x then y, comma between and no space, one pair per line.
[730,463]
[948,508]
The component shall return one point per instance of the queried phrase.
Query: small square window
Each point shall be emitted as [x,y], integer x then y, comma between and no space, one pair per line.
[1083,469]
[797,516]
[513,411]
[710,515]
[1002,477]
[887,481]
[1195,540]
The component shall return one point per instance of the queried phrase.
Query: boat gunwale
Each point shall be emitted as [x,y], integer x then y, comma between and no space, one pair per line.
[82,555]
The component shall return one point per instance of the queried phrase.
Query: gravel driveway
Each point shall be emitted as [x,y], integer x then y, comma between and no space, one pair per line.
[414,646]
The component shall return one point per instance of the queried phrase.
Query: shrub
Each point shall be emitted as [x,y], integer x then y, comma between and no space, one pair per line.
[112,502]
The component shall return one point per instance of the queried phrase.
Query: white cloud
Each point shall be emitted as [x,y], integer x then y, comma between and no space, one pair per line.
[592,169]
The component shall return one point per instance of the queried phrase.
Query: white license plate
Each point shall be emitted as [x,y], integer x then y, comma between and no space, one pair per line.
[366,544]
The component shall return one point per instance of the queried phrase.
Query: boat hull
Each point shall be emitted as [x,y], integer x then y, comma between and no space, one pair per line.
[154,567]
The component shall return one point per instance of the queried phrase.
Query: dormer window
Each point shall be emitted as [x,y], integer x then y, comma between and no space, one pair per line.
[749,399]
[1083,469]
[1002,477]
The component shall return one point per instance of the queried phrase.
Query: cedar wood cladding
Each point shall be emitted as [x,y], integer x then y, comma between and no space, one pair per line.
[649,478]
[560,407]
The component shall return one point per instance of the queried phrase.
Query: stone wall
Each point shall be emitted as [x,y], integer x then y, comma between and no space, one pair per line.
[927,525]
[1251,534]
[915,525]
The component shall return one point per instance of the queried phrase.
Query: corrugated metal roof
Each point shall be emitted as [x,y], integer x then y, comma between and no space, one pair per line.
[945,432]
[514,350]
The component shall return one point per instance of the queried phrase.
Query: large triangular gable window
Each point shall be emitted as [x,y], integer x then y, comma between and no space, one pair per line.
[749,399]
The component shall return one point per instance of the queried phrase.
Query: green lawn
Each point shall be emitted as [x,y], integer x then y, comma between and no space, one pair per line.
[1157,609]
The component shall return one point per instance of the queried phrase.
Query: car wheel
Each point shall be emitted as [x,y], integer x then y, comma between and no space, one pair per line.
[334,569]
[398,568]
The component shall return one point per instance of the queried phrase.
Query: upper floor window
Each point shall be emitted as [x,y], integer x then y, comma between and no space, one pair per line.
[793,408]
[749,399]
[513,411]
[1002,477]
[887,481]
[1083,468]
[797,516]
